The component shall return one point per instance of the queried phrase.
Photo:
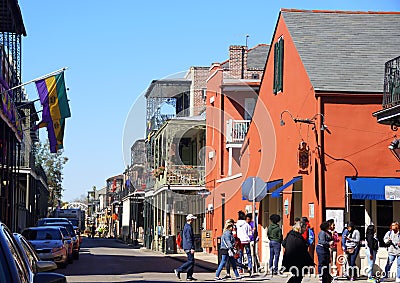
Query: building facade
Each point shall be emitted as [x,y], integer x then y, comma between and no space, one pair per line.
[312,137]
[232,92]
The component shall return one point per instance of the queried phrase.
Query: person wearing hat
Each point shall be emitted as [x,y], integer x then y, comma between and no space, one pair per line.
[188,247]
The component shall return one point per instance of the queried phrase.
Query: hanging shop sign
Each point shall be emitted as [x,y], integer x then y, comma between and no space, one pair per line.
[303,158]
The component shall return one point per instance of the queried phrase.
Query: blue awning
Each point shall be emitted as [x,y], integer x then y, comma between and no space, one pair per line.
[263,192]
[277,192]
[269,186]
[371,188]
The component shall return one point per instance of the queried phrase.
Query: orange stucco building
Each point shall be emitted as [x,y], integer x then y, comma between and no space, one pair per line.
[312,136]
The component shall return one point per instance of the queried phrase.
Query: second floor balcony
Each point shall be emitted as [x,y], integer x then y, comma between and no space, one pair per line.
[390,114]
[236,131]
[391,91]
[186,175]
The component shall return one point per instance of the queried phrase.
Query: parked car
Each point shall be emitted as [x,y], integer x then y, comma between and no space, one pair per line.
[13,268]
[48,243]
[75,239]
[31,258]
[43,221]
[68,240]
[74,222]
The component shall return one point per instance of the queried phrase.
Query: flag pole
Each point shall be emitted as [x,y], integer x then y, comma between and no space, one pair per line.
[34,80]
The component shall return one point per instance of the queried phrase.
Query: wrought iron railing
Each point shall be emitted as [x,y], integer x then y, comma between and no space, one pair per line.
[236,130]
[186,175]
[391,88]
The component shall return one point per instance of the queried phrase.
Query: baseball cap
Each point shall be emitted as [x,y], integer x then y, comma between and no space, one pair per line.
[190,216]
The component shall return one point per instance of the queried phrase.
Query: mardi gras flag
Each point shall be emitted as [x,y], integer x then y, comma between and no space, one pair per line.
[55,131]
[53,97]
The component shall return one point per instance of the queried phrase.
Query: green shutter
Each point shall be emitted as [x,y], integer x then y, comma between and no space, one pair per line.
[280,79]
[275,67]
[278,66]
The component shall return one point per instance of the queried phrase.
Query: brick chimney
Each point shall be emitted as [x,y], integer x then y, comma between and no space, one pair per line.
[237,61]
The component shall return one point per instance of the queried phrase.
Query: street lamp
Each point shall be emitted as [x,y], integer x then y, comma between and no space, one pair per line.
[310,121]
[394,148]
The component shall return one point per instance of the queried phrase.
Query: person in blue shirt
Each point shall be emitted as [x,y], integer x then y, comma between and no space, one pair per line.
[188,247]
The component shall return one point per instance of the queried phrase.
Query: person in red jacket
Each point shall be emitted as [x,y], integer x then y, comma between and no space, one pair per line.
[309,236]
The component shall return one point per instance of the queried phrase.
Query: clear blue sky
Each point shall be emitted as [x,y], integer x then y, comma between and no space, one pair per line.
[114,49]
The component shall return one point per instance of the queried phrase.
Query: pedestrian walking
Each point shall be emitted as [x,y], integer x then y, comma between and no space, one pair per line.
[253,241]
[371,249]
[93,230]
[227,251]
[237,246]
[352,249]
[345,265]
[333,247]
[324,242]
[244,231]
[392,240]
[275,237]
[188,247]
[159,234]
[296,256]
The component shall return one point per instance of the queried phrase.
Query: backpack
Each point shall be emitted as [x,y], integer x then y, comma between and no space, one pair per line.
[179,240]
[311,236]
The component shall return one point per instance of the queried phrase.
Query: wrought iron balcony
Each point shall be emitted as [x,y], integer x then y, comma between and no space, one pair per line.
[186,175]
[236,130]
[391,91]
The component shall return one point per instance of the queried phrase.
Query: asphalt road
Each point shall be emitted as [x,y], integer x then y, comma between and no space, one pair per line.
[107,260]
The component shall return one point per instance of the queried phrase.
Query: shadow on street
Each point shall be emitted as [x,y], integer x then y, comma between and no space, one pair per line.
[100,256]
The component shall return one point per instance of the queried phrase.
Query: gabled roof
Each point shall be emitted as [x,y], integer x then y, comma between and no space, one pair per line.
[345,51]
[257,56]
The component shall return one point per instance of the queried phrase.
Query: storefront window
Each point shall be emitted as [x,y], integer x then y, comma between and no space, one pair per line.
[357,215]
[384,215]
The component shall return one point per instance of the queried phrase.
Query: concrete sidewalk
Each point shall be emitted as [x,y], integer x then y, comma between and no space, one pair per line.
[209,262]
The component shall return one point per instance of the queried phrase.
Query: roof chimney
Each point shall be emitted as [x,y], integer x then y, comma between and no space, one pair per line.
[237,61]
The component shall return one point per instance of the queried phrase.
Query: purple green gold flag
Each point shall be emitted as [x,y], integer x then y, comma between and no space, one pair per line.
[53,97]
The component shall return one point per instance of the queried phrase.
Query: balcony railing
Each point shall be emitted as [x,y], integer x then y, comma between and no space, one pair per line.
[236,130]
[186,175]
[391,91]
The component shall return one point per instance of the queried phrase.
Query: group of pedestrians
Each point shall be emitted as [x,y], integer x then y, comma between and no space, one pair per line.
[238,237]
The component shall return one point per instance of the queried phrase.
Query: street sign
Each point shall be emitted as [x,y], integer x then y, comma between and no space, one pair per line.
[204,193]
[206,239]
[247,188]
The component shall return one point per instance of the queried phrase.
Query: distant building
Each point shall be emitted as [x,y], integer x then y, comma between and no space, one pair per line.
[232,93]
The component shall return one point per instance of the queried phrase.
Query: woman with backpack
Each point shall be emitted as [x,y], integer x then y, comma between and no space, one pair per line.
[227,251]
[371,249]
[352,248]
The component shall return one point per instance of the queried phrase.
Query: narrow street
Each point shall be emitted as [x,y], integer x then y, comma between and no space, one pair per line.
[107,260]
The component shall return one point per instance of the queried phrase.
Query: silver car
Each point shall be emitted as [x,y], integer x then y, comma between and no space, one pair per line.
[13,268]
[49,243]
[31,258]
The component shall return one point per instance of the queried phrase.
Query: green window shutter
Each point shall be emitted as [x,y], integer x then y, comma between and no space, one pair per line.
[276,67]
[280,78]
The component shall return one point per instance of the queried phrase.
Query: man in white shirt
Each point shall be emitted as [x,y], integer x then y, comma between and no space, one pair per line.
[244,231]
